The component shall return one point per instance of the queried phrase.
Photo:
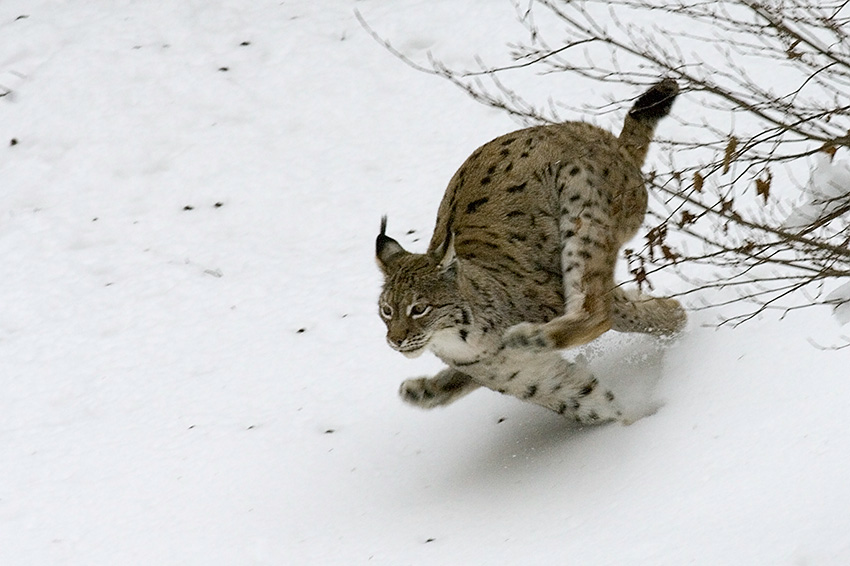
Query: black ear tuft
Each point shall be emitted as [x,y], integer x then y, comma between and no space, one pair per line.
[385,247]
[656,102]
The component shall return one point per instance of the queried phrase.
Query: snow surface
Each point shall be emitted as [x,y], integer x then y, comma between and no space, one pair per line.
[827,190]
[192,367]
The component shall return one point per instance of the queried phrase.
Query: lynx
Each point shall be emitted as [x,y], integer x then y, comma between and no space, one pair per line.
[521,265]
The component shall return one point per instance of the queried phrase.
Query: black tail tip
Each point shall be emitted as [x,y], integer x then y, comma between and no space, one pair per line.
[656,102]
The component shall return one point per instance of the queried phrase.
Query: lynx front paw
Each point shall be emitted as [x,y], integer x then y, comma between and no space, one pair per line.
[528,336]
[420,392]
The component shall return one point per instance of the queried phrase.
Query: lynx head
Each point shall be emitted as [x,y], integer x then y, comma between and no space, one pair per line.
[420,294]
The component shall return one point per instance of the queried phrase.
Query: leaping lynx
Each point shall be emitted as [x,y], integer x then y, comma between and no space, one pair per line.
[521,264]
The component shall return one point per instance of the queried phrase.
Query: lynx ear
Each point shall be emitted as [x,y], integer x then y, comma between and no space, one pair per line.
[386,249]
[445,254]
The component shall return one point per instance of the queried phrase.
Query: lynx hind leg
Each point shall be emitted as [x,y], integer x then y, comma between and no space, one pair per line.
[428,392]
[633,311]
[588,256]
[585,231]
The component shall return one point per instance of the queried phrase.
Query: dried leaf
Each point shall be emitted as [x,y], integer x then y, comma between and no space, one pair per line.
[640,277]
[669,254]
[829,149]
[763,186]
[656,236]
[729,155]
[698,181]
[636,268]
[687,218]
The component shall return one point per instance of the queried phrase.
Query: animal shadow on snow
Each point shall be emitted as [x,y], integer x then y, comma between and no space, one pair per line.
[530,438]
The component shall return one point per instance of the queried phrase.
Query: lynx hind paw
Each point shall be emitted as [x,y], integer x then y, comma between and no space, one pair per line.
[528,336]
[676,317]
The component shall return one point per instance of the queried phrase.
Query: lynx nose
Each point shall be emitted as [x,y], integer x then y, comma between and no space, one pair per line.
[395,343]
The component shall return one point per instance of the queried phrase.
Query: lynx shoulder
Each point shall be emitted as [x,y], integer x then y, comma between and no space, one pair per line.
[521,264]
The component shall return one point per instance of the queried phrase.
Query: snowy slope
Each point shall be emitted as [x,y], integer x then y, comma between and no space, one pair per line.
[192,368]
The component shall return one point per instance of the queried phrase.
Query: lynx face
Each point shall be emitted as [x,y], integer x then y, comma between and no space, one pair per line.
[418,300]
[420,296]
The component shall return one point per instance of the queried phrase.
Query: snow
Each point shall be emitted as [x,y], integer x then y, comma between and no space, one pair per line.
[827,190]
[841,299]
[193,370]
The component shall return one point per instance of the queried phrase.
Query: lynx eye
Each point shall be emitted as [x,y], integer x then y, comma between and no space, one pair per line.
[418,310]
[386,311]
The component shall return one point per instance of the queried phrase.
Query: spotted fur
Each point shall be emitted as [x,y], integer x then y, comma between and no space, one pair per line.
[521,265]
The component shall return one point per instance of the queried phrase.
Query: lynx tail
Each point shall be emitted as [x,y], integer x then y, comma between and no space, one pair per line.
[648,109]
